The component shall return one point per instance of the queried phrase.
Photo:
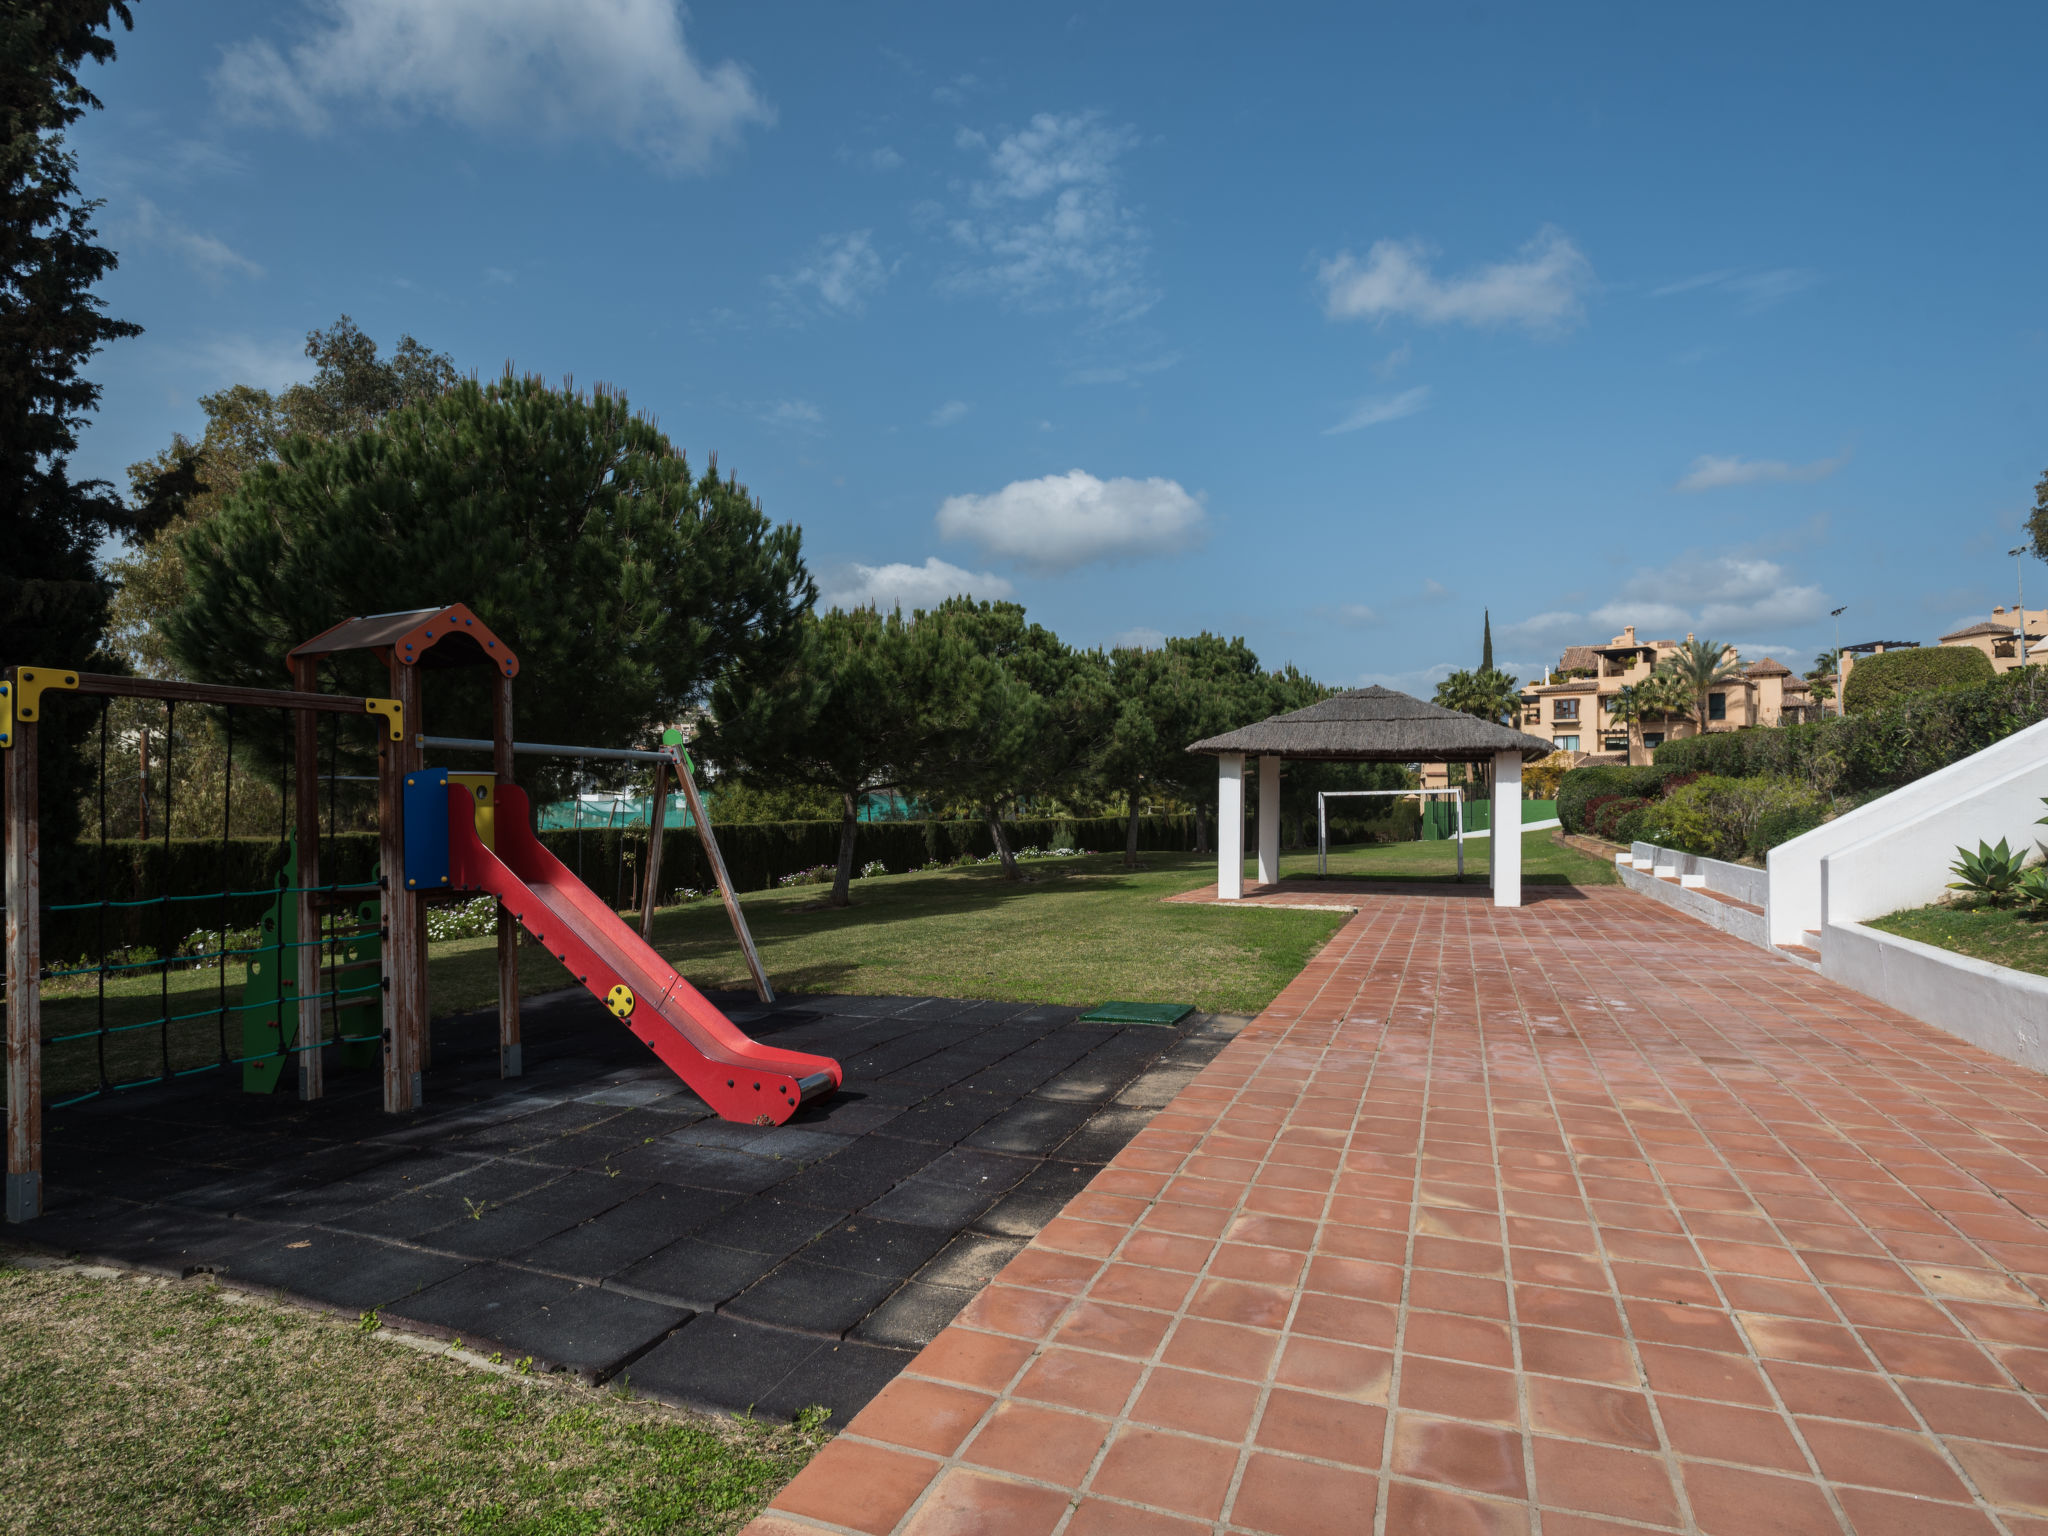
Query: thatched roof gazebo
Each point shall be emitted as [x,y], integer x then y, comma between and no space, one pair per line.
[1365,725]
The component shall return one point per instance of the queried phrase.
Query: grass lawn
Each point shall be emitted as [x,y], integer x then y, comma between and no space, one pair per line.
[1987,933]
[1079,931]
[137,1405]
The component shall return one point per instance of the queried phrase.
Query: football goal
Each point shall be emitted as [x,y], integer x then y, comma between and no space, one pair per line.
[1456,794]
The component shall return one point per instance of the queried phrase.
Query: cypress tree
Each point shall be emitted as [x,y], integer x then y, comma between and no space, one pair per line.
[53,599]
[1486,644]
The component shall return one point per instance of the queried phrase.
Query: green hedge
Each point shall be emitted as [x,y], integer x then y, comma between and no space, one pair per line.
[1892,677]
[1875,751]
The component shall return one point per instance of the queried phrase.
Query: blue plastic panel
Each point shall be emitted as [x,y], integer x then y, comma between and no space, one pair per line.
[426,829]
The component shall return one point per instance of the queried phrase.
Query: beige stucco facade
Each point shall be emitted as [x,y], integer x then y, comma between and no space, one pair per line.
[1576,713]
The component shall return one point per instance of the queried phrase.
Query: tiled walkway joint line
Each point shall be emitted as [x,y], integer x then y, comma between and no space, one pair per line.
[1579,1218]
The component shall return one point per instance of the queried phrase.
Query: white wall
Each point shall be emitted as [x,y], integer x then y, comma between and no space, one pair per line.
[2004,1011]
[1991,794]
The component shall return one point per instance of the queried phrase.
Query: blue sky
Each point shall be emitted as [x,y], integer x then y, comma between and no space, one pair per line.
[1329,326]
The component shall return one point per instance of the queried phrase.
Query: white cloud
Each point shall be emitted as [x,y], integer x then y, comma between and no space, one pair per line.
[1058,522]
[1539,290]
[1356,615]
[203,253]
[842,273]
[910,586]
[1710,472]
[800,414]
[1142,638]
[1373,410]
[620,69]
[267,364]
[1711,596]
[1431,587]
[1123,373]
[948,413]
[1047,227]
[884,159]
[497,275]
[1754,289]
[1394,361]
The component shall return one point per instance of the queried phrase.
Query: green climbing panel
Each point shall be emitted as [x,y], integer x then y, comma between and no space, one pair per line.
[270,999]
[1163,1014]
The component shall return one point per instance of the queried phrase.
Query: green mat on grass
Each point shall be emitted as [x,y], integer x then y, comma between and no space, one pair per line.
[1139,1013]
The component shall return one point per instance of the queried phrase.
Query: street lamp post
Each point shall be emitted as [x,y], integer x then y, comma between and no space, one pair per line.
[1837,615]
[2019,576]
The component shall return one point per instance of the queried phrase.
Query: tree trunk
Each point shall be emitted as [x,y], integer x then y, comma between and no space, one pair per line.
[995,830]
[1131,835]
[1201,828]
[849,828]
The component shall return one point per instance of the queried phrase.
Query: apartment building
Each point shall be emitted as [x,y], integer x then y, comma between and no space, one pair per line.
[1574,709]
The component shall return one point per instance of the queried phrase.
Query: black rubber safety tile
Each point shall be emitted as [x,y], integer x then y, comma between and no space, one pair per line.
[769,1226]
[1032,1127]
[812,1298]
[505,1231]
[867,1172]
[582,1149]
[842,1377]
[705,1167]
[913,1316]
[719,1363]
[993,1173]
[338,1269]
[945,1118]
[590,1331]
[480,1300]
[847,1114]
[868,1246]
[1107,1132]
[700,1277]
[924,1201]
[971,1259]
[629,1232]
[1037,1200]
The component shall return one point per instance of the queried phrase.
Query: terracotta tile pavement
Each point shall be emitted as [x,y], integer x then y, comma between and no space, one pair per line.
[1578,1218]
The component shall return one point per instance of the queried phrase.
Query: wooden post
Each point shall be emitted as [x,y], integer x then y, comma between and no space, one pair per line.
[306,790]
[510,1062]
[688,780]
[650,874]
[24,981]
[403,1001]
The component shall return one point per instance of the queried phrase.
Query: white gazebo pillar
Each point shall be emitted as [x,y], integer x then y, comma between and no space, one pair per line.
[1504,863]
[1269,819]
[1229,826]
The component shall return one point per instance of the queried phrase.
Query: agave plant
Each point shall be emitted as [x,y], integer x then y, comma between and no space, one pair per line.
[1991,872]
[2032,887]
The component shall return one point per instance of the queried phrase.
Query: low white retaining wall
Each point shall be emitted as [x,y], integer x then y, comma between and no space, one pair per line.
[1649,869]
[1904,842]
[2004,1011]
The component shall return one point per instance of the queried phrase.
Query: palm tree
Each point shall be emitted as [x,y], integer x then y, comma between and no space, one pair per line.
[1702,666]
[1490,695]
[1660,696]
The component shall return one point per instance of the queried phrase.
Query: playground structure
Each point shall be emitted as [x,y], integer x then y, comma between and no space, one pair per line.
[439,834]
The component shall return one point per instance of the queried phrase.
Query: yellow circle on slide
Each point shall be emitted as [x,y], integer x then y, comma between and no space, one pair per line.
[620,1000]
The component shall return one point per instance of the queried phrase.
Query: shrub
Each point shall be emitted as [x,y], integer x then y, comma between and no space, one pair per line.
[1541,778]
[1876,750]
[1610,811]
[1890,677]
[1724,818]
[1577,789]
[1636,825]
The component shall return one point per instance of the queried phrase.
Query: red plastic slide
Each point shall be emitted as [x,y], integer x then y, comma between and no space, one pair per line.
[739,1078]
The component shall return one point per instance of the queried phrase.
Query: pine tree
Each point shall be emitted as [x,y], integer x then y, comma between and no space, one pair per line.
[624,583]
[1486,644]
[53,600]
